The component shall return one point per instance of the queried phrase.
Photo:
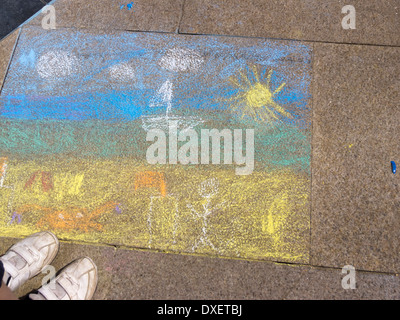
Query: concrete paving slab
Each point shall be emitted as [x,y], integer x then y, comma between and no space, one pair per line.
[377,22]
[326,284]
[152,275]
[143,15]
[149,275]
[94,98]
[355,194]
[144,275]
[7,46]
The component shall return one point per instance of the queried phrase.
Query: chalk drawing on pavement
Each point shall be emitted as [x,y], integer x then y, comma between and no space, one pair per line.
[73,123]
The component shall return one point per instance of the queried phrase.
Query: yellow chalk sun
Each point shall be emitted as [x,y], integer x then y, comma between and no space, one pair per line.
[256,100]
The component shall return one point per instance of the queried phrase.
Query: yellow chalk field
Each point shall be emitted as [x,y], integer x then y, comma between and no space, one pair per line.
[184,209]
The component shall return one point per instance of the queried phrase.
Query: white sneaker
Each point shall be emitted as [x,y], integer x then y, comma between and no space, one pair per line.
[28,257]
[77,281]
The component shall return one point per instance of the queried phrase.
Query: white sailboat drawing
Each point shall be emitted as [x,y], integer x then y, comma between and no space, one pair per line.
[176,60]
[163,122]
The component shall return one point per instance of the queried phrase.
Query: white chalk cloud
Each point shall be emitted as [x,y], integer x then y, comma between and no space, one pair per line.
[122,72]
[55,64]
[181,60]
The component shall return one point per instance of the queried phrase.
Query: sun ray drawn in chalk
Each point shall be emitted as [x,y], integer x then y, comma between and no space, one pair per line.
[255,99]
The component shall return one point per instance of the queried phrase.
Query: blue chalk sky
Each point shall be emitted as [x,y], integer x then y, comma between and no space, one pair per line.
[86,91]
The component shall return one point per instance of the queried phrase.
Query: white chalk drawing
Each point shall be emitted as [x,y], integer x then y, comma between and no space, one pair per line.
[122,72]
[55,64]
[3,173]
[165,123]
[150,217]
[208,189]
[164,98]
[181,60]
[175,60]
